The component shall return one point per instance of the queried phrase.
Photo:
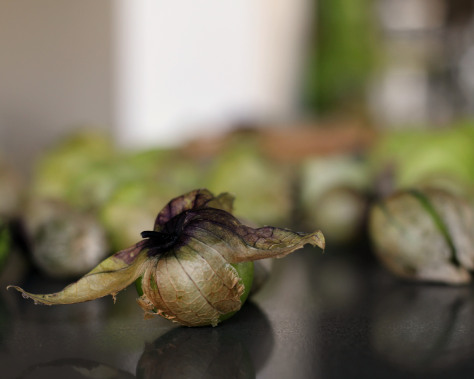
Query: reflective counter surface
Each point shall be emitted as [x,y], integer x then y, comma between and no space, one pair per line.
[330,315]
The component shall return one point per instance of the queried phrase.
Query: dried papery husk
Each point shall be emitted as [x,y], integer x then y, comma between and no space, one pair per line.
[194,293]
[193,265]
[424,235]
[458,217]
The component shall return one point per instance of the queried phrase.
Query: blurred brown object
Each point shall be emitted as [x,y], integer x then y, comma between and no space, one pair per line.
[292,143]
[302,141]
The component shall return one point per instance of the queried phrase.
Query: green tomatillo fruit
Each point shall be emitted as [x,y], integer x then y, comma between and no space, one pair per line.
[245,271]
[192,264]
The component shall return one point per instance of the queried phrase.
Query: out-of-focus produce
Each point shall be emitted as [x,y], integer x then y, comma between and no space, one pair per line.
[332,181]
[131,209]
[69,183]
[81,170]
[83,179]
[156,176]
[440,157]
[335,195]
[168,167]
[65,242]
[424,235]
[307,172]
[263,188]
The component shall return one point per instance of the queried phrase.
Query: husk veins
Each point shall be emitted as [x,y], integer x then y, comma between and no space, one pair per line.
[424,235]
[187,263]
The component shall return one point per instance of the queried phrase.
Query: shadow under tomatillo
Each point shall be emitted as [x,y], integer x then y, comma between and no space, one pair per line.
[238,348]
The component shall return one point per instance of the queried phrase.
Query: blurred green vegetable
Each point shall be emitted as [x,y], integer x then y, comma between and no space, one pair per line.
[335,195]
[441,157]
[165,167]
[424,235]
[263,189]
[131,209]
[155,176]
[81,170]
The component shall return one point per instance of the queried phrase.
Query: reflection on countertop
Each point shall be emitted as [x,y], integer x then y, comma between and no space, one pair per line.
[424,328]
[99,339]
[225,352]
[331,315]
[237,349]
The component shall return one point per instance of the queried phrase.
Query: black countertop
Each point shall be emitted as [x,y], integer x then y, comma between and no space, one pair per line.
[331,315]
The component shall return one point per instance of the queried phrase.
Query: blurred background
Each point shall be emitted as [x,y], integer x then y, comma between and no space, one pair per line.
[156,73]
[355,117]
[306,110]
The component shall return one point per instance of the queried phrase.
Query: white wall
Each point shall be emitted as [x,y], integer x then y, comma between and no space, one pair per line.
[153,71]
[55,60]
[193,67]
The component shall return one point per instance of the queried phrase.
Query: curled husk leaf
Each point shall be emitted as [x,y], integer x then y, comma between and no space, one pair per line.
[189,263]
[424,235]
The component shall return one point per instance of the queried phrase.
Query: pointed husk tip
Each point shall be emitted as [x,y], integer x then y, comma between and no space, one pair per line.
[319,240]
[38,299]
